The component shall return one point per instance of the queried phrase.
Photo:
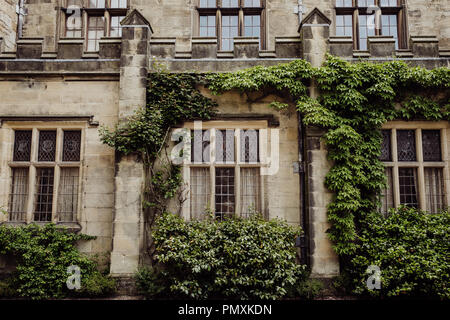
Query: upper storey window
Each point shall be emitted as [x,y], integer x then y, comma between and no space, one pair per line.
[227,19]
[361,19]
[93,19]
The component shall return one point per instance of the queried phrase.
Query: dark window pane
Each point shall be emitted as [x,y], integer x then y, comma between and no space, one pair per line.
[431,145]
[406,145]
[72,145]
[22,145]
[386,146]
[408,186]
[47,146]
[44,194]
[224,198]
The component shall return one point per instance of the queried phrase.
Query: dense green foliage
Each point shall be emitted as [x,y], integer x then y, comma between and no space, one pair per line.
[43,255]
[355,101]
[412,250]
[171,99]
[236,259]
[352,103]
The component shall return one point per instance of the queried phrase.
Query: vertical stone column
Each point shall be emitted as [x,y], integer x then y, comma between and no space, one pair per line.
[314,32]
[128,225]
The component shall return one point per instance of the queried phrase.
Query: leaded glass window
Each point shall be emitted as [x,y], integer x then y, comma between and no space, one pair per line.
[200,192]
[387,200]
[68,194]
[22,145]
[47,146]
[406,145]
[431,145]
[250,184]
[434,190]
[71,145]
[225,146]
[408,187]
[200,146]
[249,146]
[225,197]
[19,194]
[44,194]
[386,146]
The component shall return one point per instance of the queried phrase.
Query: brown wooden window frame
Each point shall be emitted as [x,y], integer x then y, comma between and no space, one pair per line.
[355,11]
[240,11]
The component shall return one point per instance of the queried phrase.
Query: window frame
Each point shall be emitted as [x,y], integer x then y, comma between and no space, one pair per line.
[86,12]
[56,165]
[237,164]
[355,11]
[240,11]
[419,164]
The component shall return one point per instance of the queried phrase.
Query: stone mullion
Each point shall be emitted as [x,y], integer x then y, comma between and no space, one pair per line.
[237,172]
[395,175]
[420,173]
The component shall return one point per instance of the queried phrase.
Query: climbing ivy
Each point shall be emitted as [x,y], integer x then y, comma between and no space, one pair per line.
[171,99]
[352,104]
[354,101]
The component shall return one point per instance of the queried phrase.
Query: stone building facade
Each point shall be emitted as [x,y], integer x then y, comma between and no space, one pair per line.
[68,67]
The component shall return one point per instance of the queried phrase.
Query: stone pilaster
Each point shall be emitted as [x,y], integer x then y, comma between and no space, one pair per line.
[314,32]
[128,222]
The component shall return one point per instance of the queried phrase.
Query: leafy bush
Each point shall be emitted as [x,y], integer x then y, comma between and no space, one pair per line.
[412,250]
[151,283]
[43,255]
[235,259]
[309,289]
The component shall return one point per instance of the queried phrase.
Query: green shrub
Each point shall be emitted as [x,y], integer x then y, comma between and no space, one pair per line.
[43,255]
[151,283]
[411,248]
[96,285]
[6,289]
[233,259]
[309,289]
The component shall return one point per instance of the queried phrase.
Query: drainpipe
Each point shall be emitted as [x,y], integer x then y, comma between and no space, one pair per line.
[22,12]
[299,10]
[304,238]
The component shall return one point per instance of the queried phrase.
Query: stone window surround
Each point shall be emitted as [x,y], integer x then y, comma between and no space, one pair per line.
[418,126]
[218,11]
[223,125]
[106,12]
[354,10]
[35,127]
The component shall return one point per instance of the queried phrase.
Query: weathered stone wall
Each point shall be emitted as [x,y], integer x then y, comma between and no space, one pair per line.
[53,97]
[8,23]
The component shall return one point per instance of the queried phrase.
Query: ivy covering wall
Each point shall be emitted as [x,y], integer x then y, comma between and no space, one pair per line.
[352,104]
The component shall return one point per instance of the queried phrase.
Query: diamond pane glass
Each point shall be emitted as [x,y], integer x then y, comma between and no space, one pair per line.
[408,186]
[431,145]
[225,146]
[386,146]
[406,145]
[249,146]
[224,196]
[22,145]
[72,145]
[47,146]
[44,194]
[200,146]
